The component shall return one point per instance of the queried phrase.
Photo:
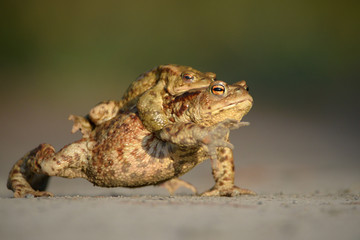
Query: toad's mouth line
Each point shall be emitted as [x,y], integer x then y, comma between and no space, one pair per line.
[234,104]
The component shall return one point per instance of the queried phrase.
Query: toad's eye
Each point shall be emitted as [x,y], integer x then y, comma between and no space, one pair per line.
[188,77]
[218,90]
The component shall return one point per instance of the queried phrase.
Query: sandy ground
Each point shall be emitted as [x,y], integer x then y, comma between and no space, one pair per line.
[270,216]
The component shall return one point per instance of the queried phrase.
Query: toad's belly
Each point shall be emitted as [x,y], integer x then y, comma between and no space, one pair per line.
[133,157]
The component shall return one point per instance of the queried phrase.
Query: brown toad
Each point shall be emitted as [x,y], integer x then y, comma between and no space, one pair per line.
[147,92]
[121,152]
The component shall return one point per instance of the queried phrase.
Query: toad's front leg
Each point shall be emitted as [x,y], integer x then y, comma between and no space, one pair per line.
[214,140]
[223,172]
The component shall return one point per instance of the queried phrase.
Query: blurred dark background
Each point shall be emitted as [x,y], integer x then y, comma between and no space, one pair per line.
[300,59]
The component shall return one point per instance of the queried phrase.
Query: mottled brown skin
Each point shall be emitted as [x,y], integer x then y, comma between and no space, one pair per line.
[122,153]
[147,92]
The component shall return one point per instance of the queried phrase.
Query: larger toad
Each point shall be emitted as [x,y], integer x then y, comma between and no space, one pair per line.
[123,153]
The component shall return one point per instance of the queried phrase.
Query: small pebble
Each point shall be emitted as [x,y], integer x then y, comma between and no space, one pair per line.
[29,196]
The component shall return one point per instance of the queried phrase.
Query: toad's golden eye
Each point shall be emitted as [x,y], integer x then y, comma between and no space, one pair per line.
[188,77]
[218,90]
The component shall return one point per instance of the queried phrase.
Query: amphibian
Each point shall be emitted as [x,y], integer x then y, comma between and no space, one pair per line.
[122,152]
[147,92]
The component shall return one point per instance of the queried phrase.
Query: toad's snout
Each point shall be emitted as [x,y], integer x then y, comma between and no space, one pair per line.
[242,84]
[243,88]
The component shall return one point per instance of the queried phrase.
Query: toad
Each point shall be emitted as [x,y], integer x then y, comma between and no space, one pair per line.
[122,152]
[147,92]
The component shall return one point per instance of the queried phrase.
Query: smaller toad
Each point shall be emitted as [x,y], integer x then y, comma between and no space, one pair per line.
[147,93]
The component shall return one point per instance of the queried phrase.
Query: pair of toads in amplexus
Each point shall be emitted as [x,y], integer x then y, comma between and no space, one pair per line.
[170,119]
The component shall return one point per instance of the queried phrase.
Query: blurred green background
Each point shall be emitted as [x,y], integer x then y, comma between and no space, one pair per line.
[300,59]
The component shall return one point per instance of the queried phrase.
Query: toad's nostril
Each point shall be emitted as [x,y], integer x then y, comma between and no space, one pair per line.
[239,89]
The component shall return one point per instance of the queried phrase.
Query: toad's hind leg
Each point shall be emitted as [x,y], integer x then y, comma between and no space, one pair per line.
[173,184]
[29,175]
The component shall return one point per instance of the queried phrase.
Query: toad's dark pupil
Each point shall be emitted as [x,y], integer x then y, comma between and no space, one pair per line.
[188,77]
[218,89]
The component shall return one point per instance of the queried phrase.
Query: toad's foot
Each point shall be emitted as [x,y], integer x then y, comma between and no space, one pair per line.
[103,112]
[173,184]
[26,193]
[82,124]
[33,186]
[22,188]
[227,192]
